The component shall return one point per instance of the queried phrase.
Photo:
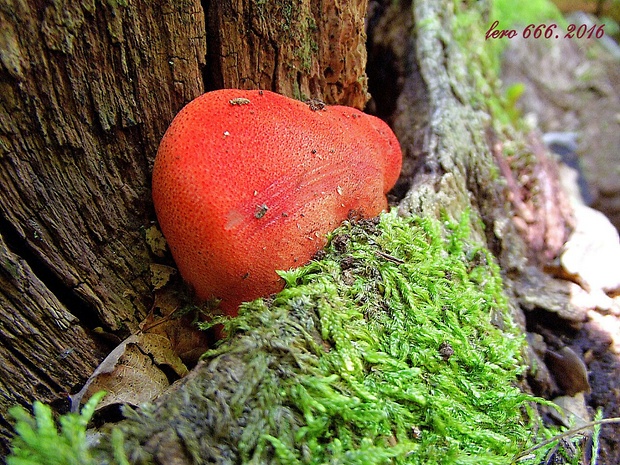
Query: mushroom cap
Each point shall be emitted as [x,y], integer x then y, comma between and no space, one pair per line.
[248,182]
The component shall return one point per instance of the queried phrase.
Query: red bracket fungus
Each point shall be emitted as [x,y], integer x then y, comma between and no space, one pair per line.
[249,182]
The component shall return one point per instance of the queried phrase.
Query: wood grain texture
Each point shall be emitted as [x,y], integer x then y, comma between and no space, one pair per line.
[303,49]
[86,91]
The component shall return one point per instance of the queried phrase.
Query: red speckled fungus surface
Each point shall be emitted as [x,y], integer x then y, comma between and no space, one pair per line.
[249,182]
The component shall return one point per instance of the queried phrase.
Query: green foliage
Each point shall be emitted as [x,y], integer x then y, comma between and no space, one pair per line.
[596,436]
[422,359]
[38,441]
[395,347]
[530,12]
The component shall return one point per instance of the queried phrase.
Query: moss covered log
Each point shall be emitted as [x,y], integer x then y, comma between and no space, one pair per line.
[395,346]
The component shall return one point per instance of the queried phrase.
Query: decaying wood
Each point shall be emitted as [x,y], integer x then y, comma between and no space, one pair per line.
[314,49]
[86,91]
[543,215]
[44,348]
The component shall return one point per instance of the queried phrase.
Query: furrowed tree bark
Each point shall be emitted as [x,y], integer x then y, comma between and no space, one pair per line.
[88,90]
[303,49]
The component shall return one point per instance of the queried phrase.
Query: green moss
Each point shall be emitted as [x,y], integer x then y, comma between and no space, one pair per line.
[481,69]
[422,359]
[117,3]
[394,347]
[39,442]
[530,12]
[308,46]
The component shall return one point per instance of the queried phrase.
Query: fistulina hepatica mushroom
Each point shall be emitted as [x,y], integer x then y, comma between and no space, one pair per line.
[249,182]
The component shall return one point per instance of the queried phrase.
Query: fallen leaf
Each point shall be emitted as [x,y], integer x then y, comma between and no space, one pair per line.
[156,241]
[134,372]
[160,275]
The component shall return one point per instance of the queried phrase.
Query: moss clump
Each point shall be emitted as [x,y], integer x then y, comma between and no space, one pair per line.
[394,347]
[39,442]
[421,361]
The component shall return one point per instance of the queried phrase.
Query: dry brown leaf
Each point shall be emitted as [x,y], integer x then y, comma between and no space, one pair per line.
[573,410]
[133,372]
[160,275]
[141,366]
[156,241]
[185,338]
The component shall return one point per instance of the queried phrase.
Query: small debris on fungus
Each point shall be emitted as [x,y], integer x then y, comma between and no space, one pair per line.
[239,101]
[315,104]
[260,211]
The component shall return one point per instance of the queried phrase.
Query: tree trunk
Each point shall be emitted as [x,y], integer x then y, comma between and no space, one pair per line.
[303,49]
[87,92]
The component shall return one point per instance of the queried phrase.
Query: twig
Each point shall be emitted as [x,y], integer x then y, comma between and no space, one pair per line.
[570,432]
